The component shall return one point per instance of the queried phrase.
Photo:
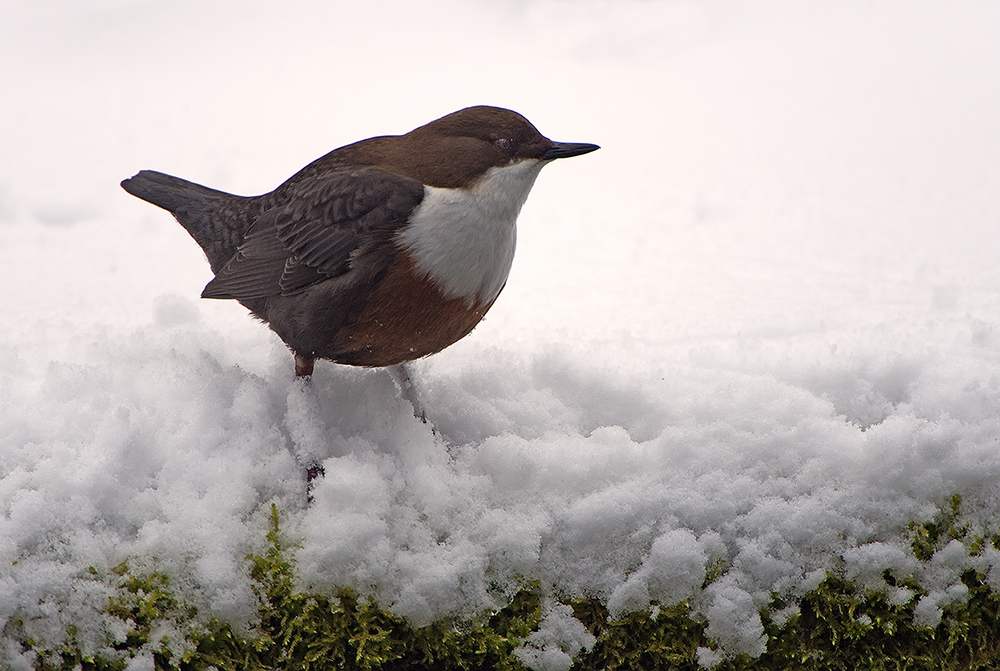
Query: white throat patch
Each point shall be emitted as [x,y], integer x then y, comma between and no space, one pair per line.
[464,238]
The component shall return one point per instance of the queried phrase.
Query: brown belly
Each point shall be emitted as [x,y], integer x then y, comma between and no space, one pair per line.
[405,318]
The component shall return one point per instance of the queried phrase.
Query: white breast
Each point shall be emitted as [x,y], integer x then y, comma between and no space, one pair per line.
[464,239]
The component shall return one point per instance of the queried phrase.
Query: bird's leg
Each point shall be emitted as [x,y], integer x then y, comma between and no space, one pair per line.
[303,365]
[407,390]
[304,407]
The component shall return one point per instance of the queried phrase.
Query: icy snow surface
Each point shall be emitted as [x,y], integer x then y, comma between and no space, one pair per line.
[761,324]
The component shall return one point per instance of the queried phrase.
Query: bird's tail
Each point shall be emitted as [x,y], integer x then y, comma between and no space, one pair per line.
[200,210]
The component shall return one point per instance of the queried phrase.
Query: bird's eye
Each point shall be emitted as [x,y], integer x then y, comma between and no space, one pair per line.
[504,144]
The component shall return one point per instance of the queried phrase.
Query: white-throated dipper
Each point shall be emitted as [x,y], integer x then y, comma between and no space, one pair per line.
[380,252]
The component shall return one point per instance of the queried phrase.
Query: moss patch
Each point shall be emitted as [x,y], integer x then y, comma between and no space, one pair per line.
[837,626]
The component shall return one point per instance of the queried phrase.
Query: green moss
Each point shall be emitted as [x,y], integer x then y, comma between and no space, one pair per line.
[928,537]
[308,631]
[837,626]
[668,640]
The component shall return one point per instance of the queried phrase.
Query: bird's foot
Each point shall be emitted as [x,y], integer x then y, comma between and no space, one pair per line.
[313,472]
[306,431]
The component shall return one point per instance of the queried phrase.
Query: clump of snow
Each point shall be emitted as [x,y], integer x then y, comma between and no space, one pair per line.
[709,658]
[867,564]
[759,329]
[555,643]
[928,611]
[733,619]
[988,563]
[946,567]
[673,571]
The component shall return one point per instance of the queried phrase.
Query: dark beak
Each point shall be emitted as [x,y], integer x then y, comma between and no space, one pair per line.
[567,149]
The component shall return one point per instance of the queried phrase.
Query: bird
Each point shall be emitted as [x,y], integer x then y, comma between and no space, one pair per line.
[380,252]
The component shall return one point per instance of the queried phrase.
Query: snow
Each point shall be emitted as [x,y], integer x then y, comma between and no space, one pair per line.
[759,326]
[558,639]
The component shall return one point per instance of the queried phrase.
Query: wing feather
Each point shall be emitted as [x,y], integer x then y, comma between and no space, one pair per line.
[325,227]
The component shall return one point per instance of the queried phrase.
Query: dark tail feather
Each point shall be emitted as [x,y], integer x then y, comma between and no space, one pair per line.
[207,214]
[173,194]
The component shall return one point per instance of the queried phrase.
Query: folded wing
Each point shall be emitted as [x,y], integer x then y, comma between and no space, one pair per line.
[326,227]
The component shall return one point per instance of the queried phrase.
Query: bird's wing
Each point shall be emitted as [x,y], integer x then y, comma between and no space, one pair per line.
[326,226]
